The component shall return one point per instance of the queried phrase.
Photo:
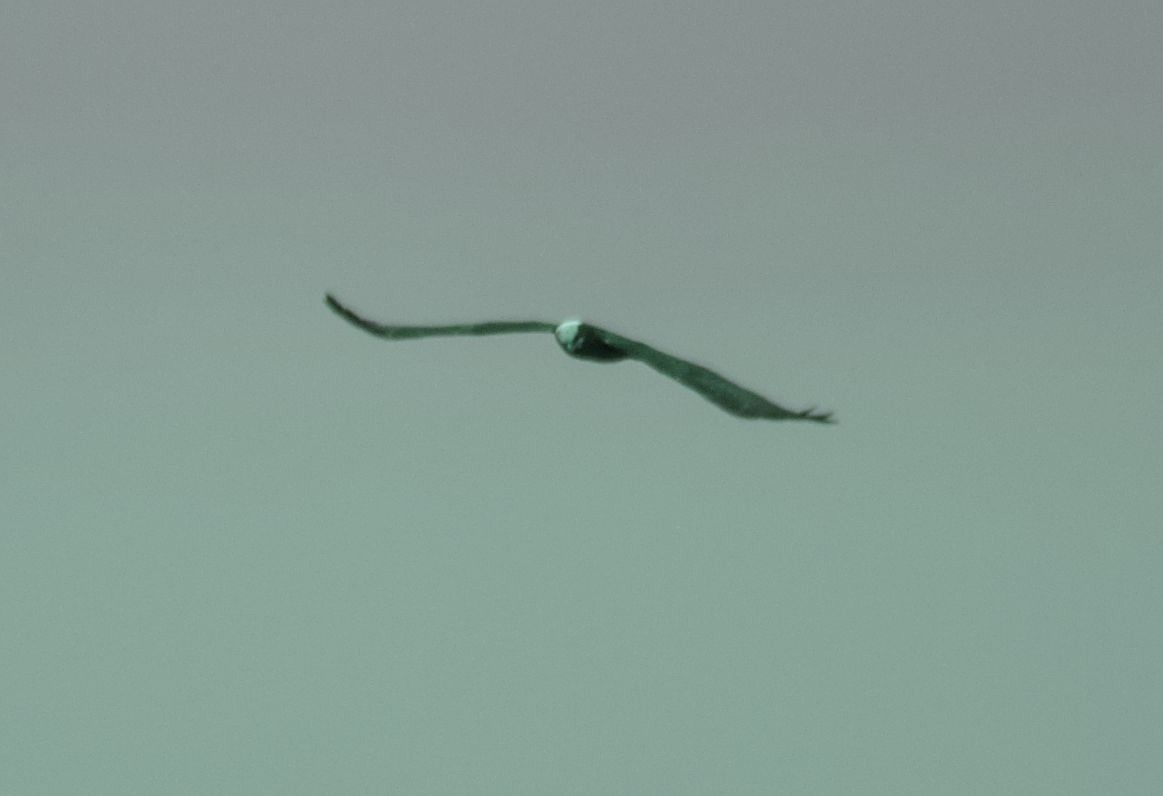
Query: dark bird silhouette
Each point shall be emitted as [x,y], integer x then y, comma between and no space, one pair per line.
[586,341]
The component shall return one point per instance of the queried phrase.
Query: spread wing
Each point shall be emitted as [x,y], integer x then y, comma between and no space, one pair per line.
[718,390]
[410,332]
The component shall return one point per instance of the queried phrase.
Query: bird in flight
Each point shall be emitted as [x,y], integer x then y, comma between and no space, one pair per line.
[586,341]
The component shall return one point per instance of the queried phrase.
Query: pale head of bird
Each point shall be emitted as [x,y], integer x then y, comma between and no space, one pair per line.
[568,334]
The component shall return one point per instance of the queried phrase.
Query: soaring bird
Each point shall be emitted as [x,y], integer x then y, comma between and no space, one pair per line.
[587,341]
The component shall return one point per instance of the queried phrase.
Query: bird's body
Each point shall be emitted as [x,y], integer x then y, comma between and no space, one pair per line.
[586,341]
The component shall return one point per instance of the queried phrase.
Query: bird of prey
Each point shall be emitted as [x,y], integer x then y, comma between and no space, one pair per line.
[586,341]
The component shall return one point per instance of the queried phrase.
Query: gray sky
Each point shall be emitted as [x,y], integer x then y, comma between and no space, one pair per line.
[247,549]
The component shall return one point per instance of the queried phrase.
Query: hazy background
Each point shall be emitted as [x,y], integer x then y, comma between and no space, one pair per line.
[246,549]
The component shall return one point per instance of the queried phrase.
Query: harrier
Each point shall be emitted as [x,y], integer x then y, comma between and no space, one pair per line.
[586,341]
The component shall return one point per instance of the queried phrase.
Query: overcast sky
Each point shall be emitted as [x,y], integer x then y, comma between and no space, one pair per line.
[245,548]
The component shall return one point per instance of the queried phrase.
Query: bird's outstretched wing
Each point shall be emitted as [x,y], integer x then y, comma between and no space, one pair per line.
[392,332]
[718,390]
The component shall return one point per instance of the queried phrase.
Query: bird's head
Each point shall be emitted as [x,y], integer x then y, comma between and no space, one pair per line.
[569,336]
